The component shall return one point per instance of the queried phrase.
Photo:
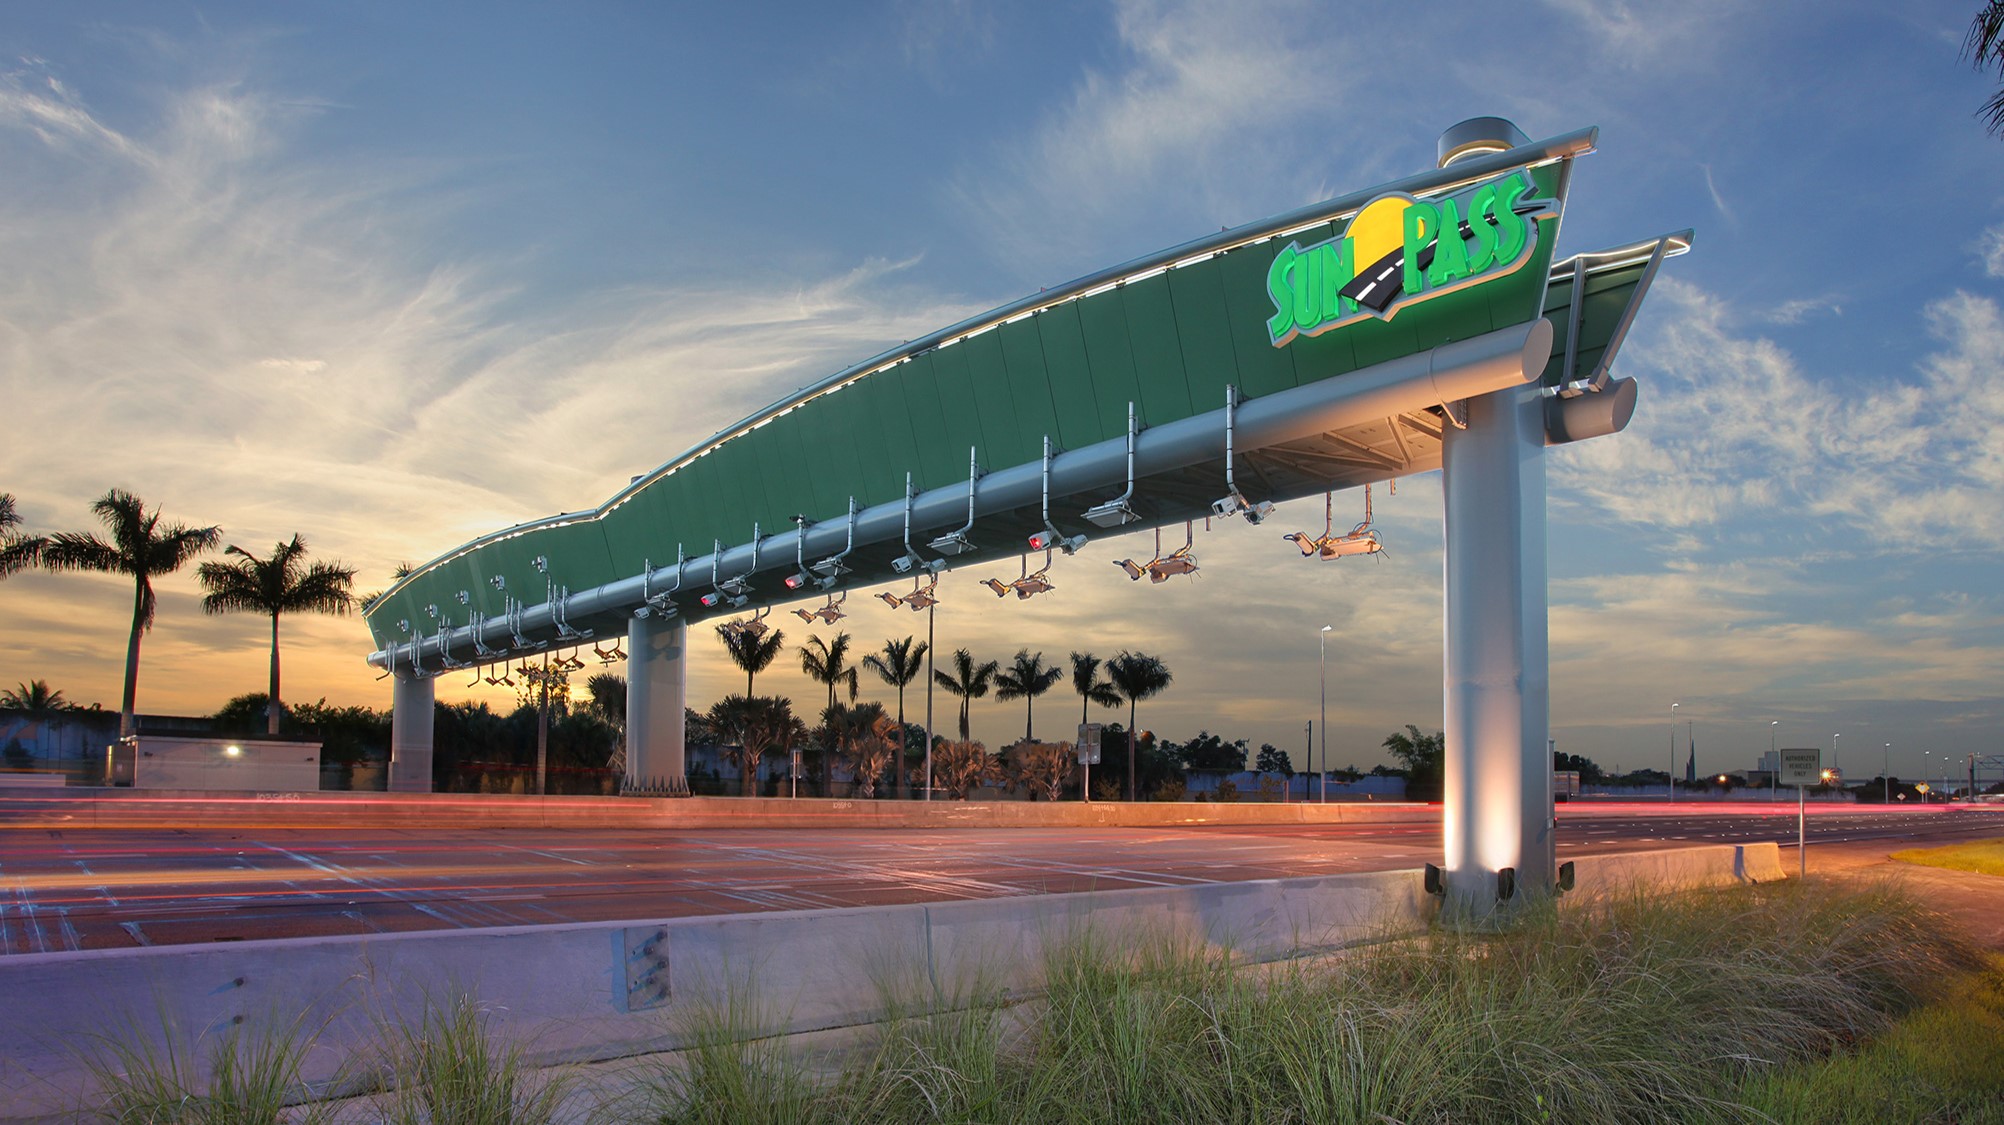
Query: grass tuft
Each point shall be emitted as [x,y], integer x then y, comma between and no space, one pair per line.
[447,1070]
[243,1078]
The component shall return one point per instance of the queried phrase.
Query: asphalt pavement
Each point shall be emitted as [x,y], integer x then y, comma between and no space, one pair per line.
[67,889]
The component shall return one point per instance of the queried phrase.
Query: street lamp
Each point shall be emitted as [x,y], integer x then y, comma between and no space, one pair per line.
[1323,784]
[1673,751]
[1886,773]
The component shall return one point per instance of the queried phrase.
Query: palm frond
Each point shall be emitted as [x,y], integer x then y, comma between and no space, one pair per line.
[19,552]
[80,551]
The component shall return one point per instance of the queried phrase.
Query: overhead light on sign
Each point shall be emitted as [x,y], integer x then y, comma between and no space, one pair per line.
[952,543]
[797,581]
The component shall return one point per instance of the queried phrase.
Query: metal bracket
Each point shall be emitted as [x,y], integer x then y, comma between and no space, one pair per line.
[1117,511]
[559,599]
[644,957]
[956,542]
[831,569]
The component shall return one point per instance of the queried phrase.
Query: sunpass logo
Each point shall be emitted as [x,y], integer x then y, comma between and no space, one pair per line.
[1391,256]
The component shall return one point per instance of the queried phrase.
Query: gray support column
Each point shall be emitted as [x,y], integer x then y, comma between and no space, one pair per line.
[1498,811]
[410,734]
[656,678]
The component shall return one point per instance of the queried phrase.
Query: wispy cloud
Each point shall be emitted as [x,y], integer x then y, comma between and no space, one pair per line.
[280,353]
[1989,250]
[1179,119]
[1732,426]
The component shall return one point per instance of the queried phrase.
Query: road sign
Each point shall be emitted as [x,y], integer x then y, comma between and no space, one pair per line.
[1801,767]
[1088,743]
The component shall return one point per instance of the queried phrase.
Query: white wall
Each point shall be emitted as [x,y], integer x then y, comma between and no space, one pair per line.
[165,762]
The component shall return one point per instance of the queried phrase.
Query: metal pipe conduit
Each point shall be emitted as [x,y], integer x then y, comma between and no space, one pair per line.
[1449,373]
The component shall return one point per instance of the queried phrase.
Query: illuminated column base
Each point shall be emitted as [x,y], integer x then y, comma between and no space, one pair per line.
[410,734]
[656,675]
[1497,814]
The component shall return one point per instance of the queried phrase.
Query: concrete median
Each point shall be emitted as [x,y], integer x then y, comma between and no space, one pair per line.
[611,990]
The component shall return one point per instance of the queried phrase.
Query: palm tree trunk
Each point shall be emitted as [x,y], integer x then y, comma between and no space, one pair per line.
[128,722]
[903,771]
[1130,749]
[1029,715]
[272,706]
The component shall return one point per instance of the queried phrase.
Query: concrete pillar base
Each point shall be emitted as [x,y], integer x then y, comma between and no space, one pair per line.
[411,734]
[655,673]
[654,787]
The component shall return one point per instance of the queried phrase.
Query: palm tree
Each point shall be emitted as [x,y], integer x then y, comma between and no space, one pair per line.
[855,730]
[36,698]
[827,662]
[753,725]
[898,665]
[17,552]
[1983,46]
[1136,676]
[968,680]
[139,547]
[753,653]
[1026,679]
[1091,689]
[37,701]
[278,585]
[961,767]
[607,702]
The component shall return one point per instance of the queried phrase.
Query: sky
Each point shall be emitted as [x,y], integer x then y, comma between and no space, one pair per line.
[392,276]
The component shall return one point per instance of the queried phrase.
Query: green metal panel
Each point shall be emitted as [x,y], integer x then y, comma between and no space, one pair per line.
[936,464]
[1263,368]
[880,411]
[819,444]
[1204,330]
[838,418]
[1158,355]
[862,440]
[956,401]
[1029,382]
[1001,438]
[1069,376]
[1111,354]
[786,464]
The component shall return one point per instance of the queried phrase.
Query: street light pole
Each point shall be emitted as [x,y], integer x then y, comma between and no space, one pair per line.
[1673,751]
[1837,769]
[1886,773]
[1773,760]
[928,698]
[1324,773]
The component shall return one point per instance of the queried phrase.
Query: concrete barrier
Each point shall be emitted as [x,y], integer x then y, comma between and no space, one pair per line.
[580,992]
[78,807]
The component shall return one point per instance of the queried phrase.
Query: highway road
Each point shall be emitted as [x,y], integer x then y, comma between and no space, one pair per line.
[68,889]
